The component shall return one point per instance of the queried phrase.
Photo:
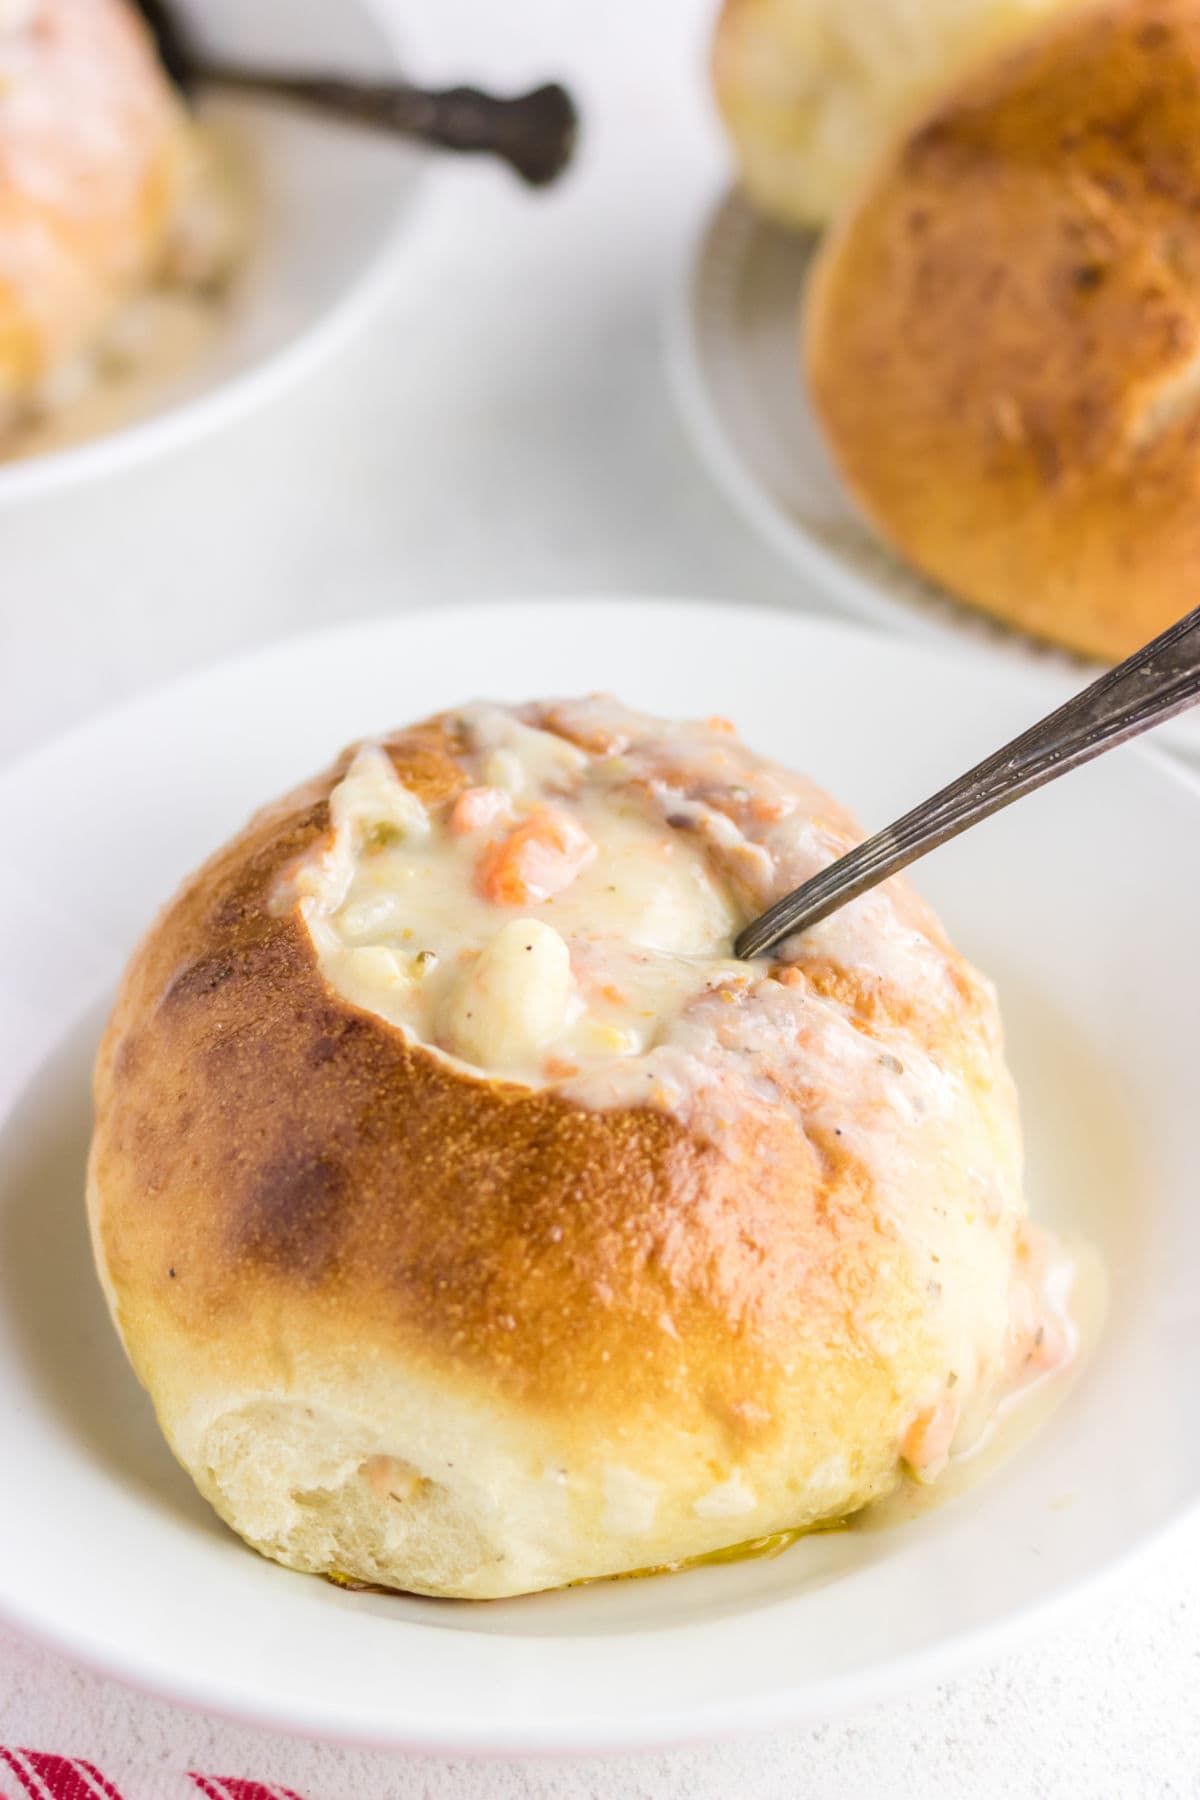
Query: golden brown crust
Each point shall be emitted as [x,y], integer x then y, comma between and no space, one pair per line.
[263,1147]
[1003,340]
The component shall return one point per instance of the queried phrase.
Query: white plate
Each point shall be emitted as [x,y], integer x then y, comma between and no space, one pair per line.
[332,205]
[734,347]
[1081,902]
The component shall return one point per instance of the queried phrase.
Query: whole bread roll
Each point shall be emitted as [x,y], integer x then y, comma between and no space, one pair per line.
[812,90]
[92,142]
[1003,338]
[478,1224]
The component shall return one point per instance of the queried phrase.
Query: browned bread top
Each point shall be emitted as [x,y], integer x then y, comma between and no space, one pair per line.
[1003,338]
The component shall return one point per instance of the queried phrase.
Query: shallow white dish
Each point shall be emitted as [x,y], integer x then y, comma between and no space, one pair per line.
[734,350]
[330,207]
[124,1567]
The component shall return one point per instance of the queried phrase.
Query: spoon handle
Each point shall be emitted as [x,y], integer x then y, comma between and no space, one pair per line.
[533,133]
[1153,684]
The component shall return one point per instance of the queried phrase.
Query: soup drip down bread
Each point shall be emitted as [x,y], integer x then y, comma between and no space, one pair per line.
[479,1224]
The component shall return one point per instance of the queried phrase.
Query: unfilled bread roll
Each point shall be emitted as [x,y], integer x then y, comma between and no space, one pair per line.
[812,90]
[478,1224]
[1003,339]
[93,148]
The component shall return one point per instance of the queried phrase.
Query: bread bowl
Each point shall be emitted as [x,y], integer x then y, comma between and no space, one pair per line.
[478,1225]
[106,188]
[812,91]
[1002,337]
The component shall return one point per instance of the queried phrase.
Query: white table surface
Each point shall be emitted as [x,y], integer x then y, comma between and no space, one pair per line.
[505,425]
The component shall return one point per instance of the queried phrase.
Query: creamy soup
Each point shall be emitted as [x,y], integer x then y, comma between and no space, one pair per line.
[569,909]
[547,924]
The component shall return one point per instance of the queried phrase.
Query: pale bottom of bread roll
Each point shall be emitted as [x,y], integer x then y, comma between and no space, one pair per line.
[416,1491]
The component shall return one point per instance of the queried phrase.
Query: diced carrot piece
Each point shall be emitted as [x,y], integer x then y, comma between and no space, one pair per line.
[765,810]
[539,857]
[928,1439]
[612,993]
[557,1068]
[716,723]
[478,807]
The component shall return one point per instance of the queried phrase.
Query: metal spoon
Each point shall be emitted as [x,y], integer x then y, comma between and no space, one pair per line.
[533,133]
[1155,683]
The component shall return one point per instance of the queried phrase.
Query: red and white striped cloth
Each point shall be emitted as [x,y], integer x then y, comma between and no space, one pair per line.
[38,1775]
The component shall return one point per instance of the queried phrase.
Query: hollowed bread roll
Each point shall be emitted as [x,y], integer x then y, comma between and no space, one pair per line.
[478,1224]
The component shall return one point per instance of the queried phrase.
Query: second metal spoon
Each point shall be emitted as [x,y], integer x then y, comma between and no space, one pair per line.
[533,133]
[1155,683]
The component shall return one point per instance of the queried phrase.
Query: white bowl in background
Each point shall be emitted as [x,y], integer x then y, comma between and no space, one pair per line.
[331,206]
